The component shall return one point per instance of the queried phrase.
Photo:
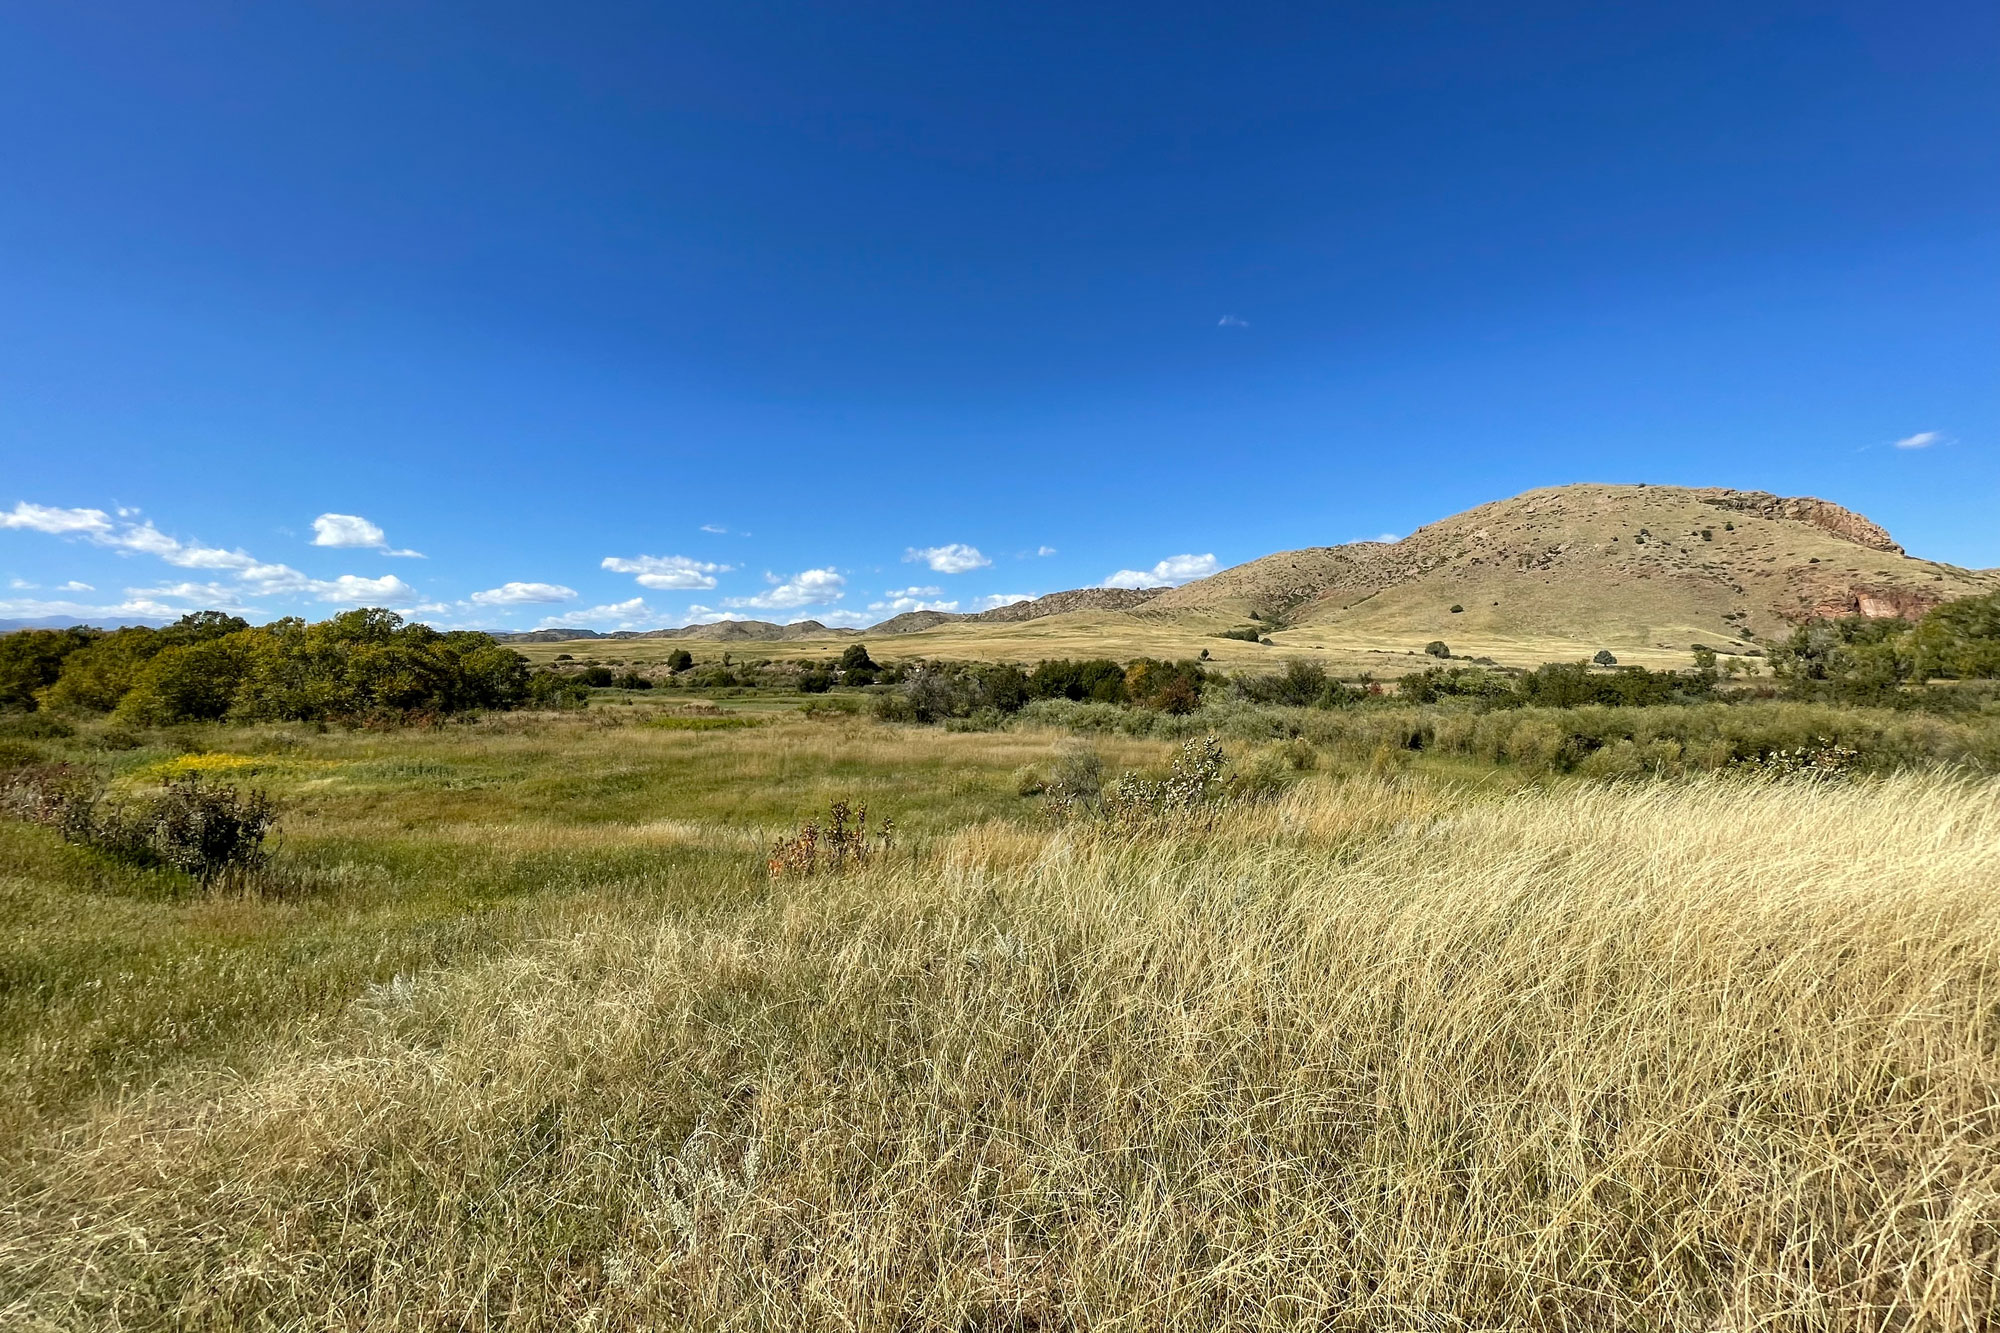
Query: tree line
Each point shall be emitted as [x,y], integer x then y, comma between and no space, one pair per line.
[210,666]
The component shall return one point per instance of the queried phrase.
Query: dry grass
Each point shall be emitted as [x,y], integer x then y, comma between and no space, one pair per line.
[1709,1055]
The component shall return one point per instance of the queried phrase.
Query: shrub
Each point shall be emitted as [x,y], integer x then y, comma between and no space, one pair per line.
[1248,634]
[1456,609]
[555,689]
[203,829]
[63,797]
[632,680]
[679,660]
[815,682]
[843,844]
[1437,648]
[1076,778]
[1191,792]
[1604,658]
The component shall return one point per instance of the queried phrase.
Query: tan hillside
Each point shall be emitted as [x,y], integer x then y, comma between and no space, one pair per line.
[1631,566]
[1551,575]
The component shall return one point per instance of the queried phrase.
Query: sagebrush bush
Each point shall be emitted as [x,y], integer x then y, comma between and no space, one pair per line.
[205,829]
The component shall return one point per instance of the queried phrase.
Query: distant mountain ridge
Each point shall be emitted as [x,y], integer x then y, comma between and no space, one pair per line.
[909,622]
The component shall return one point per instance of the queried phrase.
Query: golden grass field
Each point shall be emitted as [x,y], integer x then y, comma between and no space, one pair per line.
[531,1041]
[1127,635]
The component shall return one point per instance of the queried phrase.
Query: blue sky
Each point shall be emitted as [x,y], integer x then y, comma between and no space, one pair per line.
[629,315]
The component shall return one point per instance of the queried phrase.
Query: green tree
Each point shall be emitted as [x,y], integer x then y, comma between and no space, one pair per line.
[31,660]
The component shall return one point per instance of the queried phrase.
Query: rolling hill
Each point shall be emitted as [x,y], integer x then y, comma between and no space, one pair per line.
[1646,571]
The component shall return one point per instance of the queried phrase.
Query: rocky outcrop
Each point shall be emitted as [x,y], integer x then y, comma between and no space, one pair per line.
[1822,514]
[1874,603]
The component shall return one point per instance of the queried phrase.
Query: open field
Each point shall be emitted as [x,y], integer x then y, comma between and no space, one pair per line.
[1124,636]
[525,1036]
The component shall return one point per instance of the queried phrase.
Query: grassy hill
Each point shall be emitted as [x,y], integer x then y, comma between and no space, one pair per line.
[1645,571]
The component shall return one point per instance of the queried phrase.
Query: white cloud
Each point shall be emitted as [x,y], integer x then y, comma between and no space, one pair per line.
[895,603]
[522,594]
[1172,572]
[75,585]
[353,590]
[631,614]
[994,601]
[56,521]
[354,531]
[1232,322]
[1923,439]
[809,587]
[952,558]
[842,619]
[715,528]
[698,614]
[218,596]
[130,609]
[1045,550]
[666,571]
[22,585]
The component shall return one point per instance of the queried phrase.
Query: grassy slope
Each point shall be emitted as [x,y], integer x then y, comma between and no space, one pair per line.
[1370,607]
[543,1046]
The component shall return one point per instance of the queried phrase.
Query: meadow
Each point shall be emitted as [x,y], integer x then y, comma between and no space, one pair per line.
[519,1031]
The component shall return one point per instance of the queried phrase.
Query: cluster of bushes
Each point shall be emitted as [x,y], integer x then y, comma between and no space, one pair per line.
[991,691]
[210,666]
[207,830]
[1865,660]
[1595,740]
[1564,685]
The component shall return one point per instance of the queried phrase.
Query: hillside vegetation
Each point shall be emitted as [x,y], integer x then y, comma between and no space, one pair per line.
[532,1039]
[1647,572]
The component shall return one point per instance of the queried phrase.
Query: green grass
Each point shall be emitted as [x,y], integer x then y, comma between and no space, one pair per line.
[523,1034]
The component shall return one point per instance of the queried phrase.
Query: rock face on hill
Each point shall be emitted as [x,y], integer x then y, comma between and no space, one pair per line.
[1651,564]
[1053,604]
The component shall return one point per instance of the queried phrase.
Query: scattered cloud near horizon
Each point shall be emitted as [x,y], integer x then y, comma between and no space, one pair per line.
[524,594]
[994,600]
[1171,572]
[898,600]
[664,572]
[352,530]
[1923,439]
[253,578]
[808,587]
[631,614]
[951,558]
[1232,322]
[716,528]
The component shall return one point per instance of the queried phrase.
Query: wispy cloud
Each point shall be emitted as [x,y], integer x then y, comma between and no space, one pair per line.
[354,531]
[524,594]
[808,587]
[1232,322]
[951,558]
[55,521]
[715,528]
[255,578]
[1171,572]
[1923,439]
[665,571]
